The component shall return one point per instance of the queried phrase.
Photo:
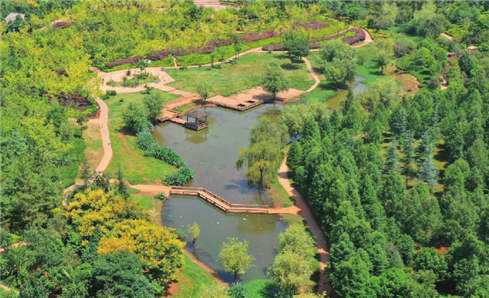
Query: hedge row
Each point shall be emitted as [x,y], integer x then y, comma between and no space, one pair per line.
[180,178]
[150,147]
[211,46]
[359,36]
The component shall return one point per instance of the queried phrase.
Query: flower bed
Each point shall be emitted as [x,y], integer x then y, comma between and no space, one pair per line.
[212,45]
[359,36]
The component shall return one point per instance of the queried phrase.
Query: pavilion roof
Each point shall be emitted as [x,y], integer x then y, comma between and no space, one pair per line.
[197,114]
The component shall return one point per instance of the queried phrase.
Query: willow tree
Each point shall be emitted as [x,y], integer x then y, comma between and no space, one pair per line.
[262,159]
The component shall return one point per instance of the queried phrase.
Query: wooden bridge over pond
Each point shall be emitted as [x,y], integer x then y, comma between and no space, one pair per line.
[226,206]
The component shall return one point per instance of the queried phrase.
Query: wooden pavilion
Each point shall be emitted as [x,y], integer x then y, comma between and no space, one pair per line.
[196,120]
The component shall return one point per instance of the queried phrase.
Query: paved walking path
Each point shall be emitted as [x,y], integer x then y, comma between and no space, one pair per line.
[310,221]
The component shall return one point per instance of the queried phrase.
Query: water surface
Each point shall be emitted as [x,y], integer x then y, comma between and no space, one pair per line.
[359,85]
[212,154]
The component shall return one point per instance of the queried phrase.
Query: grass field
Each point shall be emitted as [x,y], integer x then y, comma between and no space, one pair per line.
[258,288]
[136,167]
[94,149]
[144,201]
[191,279]
[232,78]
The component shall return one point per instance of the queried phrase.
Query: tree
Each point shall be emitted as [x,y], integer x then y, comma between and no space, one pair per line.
[387,16]
[262,159]
[204,90]
[338,62]
[135,119]
[158,247]
[408,169]
[142,64]
[296,45]
[234,256]
[85,172]
[428,22]
[194,231]
[428,172]
[237,290]
[121,187]
[154,105]
[274,80]
[381,60]
[237,45]
[392,158]
[429,259]
[295,262]
[290,273]
[120,275]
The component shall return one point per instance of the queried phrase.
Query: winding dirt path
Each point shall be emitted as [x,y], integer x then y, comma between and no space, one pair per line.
[104,132]
[368,40]
[312,225]
[313,74]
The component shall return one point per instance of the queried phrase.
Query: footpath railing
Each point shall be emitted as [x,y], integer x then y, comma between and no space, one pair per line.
[218,201]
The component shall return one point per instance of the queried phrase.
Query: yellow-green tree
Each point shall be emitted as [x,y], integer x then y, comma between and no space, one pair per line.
[158,247]
[95,209]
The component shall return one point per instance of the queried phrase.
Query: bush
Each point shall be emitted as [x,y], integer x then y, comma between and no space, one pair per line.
[161,196]
[150,147]
[179,178]
[111,93]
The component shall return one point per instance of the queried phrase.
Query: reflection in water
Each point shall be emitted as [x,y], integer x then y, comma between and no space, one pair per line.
[359,86]
[212,154]
[260,230]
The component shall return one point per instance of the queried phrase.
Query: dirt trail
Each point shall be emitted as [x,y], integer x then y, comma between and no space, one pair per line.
[368,40]
[313,74]
[305,212]
[449,37]
[104,131]
[211,3]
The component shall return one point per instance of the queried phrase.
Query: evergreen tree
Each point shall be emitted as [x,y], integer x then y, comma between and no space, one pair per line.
[392,159]
[408,156]
[427,170]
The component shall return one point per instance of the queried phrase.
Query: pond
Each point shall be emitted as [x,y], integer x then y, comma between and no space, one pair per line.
[212,153]
[359,85]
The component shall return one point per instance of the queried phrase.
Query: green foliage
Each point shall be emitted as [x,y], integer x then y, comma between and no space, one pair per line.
[234,256]
[204,90]
[338,62]
[274,80]
[135,119]
[295,262]
[121,274]
[154,104]
[428,22]
[296,45]
[151,147]
[194,231]
[181,177]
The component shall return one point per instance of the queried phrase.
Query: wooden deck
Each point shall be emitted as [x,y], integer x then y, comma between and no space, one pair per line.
[220,203]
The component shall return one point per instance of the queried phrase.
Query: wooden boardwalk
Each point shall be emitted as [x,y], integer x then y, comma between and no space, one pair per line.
[226,206]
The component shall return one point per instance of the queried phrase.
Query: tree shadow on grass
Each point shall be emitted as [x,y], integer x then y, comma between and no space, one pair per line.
[289,66]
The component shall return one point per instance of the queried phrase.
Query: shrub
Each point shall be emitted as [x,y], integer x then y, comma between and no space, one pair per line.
[180,178]
[111,93]
[150,147]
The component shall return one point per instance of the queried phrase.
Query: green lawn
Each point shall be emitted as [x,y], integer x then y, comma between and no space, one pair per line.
[191,279]
[258,288]
[232,78]
[319,94]
[136,167]
[144,201]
